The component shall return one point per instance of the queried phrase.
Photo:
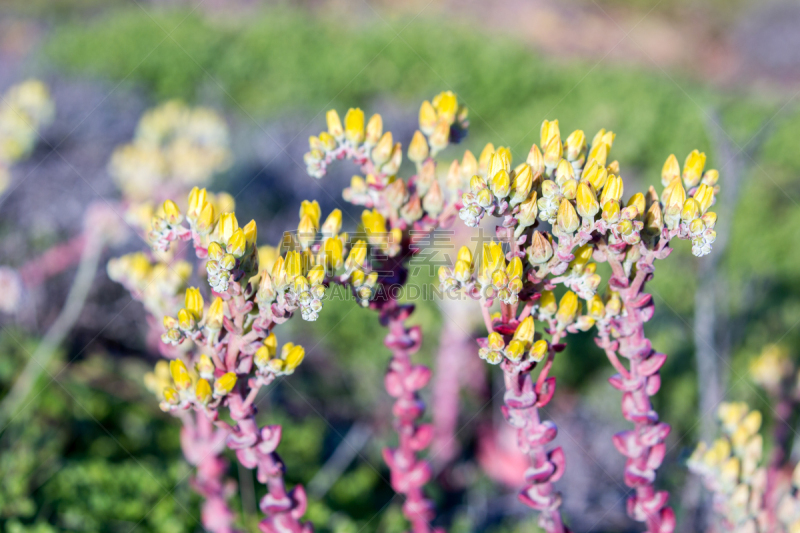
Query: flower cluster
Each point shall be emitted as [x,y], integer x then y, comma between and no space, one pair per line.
[748,496]
[25,110]
[560,213]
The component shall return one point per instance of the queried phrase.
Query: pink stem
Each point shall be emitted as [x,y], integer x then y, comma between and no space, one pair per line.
[55,260]
[409,473]
[203,445]
[644,445]
[522,401]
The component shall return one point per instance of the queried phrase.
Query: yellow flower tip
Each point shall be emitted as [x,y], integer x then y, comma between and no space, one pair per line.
[588,206]
[198,200]
[185,320]
[540,250]
[582,256]
[564,172]
[670,171]
[204,366]
[496,341]
[613,189]
[525,331]
[306,231]
[170,395]
[332,224]
[292,357]
[202,391]
[172,212]
[576,144]
[500,184]
[215,251]
[549,130]
[514,269]
[193,302]
[237,243]
[226,226]
[567,218]
[206,219]
[538,350]
[357,255]
[224,384]
[180,374]
[568,308]
[464,254]
[374,129]
[251,233]
[485,157]
[311,209]
[215,314]
[693,168]
[334,124]
[383,149]
[427,117]
[446,105]
[553,152]
[418,149]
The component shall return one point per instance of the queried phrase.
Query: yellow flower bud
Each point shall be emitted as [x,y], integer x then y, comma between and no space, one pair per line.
[567,219]
[433,202]
[553,151]
[180,374]
[691,210]
[596,175]
[528,210]
[383,150]
[576,144]
[194,302]
[587,201]
[395,160]
[710,177]
[637,202]
[316,275]
[525,330]
[612,190]
[418,149]
[292,355]
[374,223]
[354,125]
[538,350]
[294,265]
[357,256]
[596,307]
[427,117]
[654,219]
[224,384]
[752,422]
[547,303]
[215,313]
[311,209]
[704,196]
[569,189]
[227,262]
[500,184]
[198,199]
[675,199]
[564,172]
[670,171]
[374,129]
[548,131]
[333,254]
[171,212]
[306,231]
[446,105]
[582,257]
[710,219]
[536,161]
[693,168]
[205,221]
[185,320]
[202,391]
[226,226]
[514,269]
[496,341]
[497,163]
[568,308]
[540,250]
[215,251]
[237,243]
[251,233]
[205,366]
[483,159]
[334,124]
[493,258]
[171,395]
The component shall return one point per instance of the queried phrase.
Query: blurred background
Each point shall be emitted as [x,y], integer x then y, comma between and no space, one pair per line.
[85,446]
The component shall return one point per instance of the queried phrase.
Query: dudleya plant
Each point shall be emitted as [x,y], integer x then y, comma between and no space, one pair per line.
[560,212]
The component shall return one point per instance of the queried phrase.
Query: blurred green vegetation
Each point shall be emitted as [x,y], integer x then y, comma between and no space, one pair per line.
[290,64]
